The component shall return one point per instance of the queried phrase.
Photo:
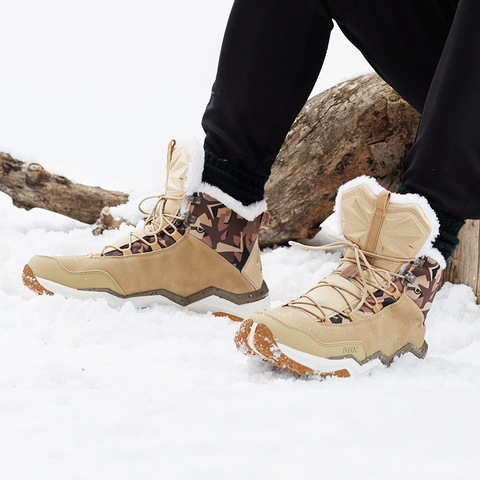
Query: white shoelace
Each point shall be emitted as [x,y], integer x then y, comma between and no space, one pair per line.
[156,222]
[379,279]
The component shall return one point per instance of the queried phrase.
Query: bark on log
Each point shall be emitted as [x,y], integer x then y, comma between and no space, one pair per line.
[359,127]
[30,185]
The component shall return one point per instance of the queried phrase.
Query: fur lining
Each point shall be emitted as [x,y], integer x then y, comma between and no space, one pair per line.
[248,212]
[193,184]
[195,167]
[397,198]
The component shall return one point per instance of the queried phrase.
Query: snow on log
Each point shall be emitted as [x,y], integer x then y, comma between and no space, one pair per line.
[30,185]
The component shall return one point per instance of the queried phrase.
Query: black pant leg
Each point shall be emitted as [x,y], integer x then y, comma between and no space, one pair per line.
[444,163]
[271,56]
[402,40]
[428,51]
[257,94]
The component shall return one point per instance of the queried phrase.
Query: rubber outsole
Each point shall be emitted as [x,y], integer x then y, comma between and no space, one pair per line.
[217,306]
[257,339]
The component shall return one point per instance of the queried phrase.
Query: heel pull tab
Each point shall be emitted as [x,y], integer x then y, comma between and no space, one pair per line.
[265,218]
[171,147]
[383,199]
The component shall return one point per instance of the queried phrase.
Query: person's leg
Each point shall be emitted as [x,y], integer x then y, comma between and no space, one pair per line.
[373,306]
[444,163]
[403,41]
[271,56]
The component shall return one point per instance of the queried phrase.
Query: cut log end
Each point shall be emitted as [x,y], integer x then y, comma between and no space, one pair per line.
[464,265]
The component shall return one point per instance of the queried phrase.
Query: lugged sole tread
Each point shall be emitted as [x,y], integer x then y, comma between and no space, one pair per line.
[30,281]
[229,315]
[265,344]
[241,338]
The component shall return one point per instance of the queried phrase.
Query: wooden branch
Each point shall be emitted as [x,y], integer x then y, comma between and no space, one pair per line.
[360,127]
[30,185]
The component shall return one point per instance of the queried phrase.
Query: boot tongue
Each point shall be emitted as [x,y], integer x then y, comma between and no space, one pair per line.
[363,215]
[397,231]
[177,166]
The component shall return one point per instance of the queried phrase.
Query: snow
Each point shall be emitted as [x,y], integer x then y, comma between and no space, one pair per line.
[91,392]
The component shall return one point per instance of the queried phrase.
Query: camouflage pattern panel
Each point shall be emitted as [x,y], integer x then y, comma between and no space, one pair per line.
[338,319]
[162,238]
[425,284]
[426,280]
[383,299]
[223,230]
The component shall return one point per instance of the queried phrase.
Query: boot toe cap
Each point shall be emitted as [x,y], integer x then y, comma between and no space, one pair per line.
[66,271]
[298,330]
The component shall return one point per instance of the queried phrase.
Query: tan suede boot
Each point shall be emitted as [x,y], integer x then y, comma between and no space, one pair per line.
[372,308]
[206,259]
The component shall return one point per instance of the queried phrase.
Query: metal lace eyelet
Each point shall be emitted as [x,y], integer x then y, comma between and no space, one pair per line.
[194,199]
[190,218]
[410,277]
[419,262]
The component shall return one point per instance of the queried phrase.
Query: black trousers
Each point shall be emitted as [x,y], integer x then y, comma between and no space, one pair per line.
[427,50]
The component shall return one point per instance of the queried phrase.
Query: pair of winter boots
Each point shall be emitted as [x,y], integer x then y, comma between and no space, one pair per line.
[194,251]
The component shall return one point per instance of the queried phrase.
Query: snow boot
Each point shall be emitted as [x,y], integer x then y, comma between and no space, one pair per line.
[203,256]
[372,307]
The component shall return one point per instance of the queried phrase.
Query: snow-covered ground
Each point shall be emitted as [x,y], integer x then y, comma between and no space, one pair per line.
[90,89]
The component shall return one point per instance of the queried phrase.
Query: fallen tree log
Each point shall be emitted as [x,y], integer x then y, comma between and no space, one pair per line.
[30,185]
